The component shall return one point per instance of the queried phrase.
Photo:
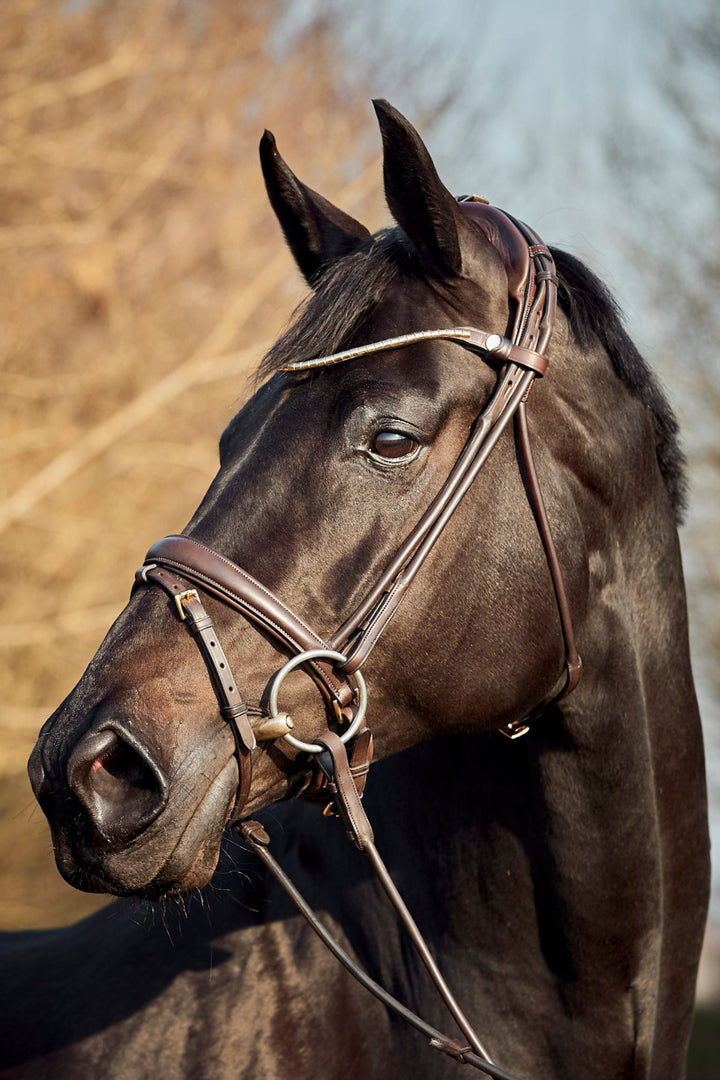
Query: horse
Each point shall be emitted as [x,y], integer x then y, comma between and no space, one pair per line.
[560,879]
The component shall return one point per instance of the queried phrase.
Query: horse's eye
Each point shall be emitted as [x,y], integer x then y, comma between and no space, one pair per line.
[394,444]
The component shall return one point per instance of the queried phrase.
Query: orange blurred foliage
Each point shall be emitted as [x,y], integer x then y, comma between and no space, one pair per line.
[143,277]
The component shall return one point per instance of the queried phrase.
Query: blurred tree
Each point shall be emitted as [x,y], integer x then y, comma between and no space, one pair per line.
[143,274]
[675,243]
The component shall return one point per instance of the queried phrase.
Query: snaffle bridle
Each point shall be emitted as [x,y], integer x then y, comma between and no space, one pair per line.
[185,568]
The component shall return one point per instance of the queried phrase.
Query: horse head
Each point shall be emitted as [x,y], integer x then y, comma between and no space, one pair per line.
[322,475]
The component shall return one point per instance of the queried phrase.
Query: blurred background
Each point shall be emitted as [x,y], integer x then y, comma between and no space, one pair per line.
[143,274]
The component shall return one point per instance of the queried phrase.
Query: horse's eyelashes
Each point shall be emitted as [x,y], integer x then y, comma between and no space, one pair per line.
[394,445]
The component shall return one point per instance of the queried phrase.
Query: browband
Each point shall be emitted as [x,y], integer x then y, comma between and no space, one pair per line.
[496,346]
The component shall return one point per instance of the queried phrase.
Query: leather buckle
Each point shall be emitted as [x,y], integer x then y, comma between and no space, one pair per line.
[182,598]
[515,729]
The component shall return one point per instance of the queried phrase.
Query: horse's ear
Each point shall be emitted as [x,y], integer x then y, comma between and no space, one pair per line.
[318,234]
[446,241]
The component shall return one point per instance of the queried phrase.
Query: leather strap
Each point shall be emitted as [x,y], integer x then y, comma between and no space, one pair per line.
[359,634]
[255,834]
[336,767]
[361,631]
[232,585]
[495,345]
[232,707]
[361,755]
[573,663]
[334,764]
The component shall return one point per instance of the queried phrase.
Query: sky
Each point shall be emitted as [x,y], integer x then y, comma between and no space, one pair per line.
[528,97]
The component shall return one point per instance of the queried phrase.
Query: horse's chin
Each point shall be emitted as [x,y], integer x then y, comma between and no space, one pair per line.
[162,887]
[176,855]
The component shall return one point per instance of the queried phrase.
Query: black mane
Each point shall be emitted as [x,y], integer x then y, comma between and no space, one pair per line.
[349,292]
[594,315]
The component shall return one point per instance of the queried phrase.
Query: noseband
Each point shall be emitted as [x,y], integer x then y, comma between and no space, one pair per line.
[185,569]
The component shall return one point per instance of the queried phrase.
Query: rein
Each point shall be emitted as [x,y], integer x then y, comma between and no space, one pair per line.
[185,568]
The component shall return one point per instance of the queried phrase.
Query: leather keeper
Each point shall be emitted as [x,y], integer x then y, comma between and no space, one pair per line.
[335,765]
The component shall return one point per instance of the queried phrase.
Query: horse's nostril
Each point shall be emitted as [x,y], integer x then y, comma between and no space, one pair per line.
[121,768]
[118,784]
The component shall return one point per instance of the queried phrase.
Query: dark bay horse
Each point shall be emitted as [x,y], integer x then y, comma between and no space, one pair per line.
[560,879]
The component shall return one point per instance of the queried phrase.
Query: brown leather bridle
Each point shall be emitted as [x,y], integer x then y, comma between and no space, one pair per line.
[185,568]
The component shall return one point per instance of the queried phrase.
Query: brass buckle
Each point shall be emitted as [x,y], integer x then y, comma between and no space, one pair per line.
[180,598]
[337,707]
[514,730]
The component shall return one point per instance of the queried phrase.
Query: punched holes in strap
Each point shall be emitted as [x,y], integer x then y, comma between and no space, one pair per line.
[232,706]
[193,613]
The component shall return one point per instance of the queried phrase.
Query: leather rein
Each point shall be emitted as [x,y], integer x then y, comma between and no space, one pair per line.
[186,569]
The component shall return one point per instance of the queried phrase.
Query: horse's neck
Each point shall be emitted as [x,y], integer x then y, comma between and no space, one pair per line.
[559,879]
[562,878]
[637,752]
[611,858]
